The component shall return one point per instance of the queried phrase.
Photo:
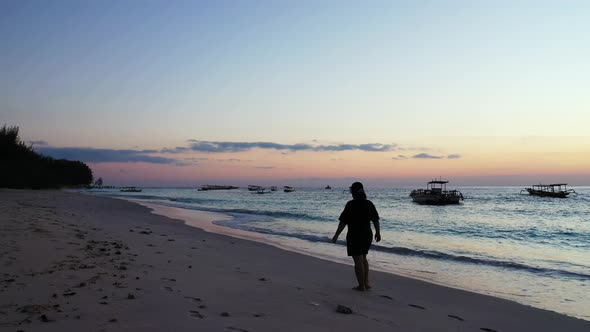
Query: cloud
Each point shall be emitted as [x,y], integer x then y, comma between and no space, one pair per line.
[226,147]
[232,160]
[399,157]
[195,159]
[93,155]
[43,143]
[429,156]
[426,156]
[178,149]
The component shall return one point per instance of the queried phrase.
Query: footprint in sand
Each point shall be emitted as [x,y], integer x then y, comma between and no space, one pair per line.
[46,319]
[456,317]
[194,299]
[236,329]
[386,297]
[487,329]
[417,306]
[194,313]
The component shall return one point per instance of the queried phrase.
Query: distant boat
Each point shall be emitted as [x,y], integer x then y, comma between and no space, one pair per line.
[288,189]
[130,189]
[216,187]
[436,193]
[328,187]
[550,190]
[252,187]
[273,188]
[262,191]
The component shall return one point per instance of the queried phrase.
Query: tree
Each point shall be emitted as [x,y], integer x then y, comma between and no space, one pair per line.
[21,167]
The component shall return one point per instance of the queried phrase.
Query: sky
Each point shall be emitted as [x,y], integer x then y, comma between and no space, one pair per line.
[182,93]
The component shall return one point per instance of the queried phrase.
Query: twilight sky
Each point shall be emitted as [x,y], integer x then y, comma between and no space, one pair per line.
[389,92]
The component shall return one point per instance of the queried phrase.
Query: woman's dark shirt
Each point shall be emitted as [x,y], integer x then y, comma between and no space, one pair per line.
[358,214]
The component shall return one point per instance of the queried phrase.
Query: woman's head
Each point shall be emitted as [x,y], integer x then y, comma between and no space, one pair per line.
[357,191]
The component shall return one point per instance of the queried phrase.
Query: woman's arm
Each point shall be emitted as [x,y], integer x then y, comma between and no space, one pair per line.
[341,226]
[377,230]
[375,219]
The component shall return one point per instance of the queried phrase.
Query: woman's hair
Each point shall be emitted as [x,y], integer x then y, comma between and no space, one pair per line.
[357,191]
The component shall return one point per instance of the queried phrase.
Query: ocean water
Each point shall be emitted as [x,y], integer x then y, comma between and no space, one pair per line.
[529,249]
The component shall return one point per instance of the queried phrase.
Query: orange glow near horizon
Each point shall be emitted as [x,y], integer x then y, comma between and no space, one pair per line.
[478,158]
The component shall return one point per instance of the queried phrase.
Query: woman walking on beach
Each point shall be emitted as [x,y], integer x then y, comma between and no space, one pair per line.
[357,215]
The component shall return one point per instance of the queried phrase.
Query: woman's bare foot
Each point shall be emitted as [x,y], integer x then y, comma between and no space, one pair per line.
[369,287]
[359,288]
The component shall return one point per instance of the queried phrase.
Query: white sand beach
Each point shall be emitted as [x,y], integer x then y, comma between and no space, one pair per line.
[74,262]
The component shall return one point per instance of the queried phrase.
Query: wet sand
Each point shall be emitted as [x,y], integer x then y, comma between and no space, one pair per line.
[76,262]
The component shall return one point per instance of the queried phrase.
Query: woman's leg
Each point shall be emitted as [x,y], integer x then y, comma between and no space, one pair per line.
[359,271]
[366,272]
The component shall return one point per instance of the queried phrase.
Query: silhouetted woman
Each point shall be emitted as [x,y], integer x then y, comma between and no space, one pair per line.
[357,215]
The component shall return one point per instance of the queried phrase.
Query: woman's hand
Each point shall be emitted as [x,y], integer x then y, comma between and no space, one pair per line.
[377,237]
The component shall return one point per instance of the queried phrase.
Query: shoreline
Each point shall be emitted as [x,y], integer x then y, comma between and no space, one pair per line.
[62,253]
[205,220]
[195,218]
[186,216]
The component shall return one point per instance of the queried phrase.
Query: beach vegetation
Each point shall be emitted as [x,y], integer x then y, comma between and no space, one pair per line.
[22,167]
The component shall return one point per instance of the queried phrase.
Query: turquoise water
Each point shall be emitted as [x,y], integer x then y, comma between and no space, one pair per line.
[529,249]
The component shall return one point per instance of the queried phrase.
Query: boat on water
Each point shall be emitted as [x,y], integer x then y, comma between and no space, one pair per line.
[252,187]
[436,193]
[550,190]
[288,189]
[262,191]
[130,189]
[328,187]
[273,188]
[216,187]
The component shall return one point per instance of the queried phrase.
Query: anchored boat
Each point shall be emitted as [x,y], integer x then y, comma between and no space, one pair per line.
[436,193]
[288,189]
[130,190]
[550,190]
[252,187]
[216,187]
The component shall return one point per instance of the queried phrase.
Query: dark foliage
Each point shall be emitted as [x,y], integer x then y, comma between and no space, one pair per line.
[21,167]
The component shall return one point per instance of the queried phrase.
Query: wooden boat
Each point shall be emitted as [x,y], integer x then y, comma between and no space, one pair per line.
[288,189]
[328,187]
[549,190]
[252,187]
[130,189]
[436,193]
[216,187]
[262,191]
